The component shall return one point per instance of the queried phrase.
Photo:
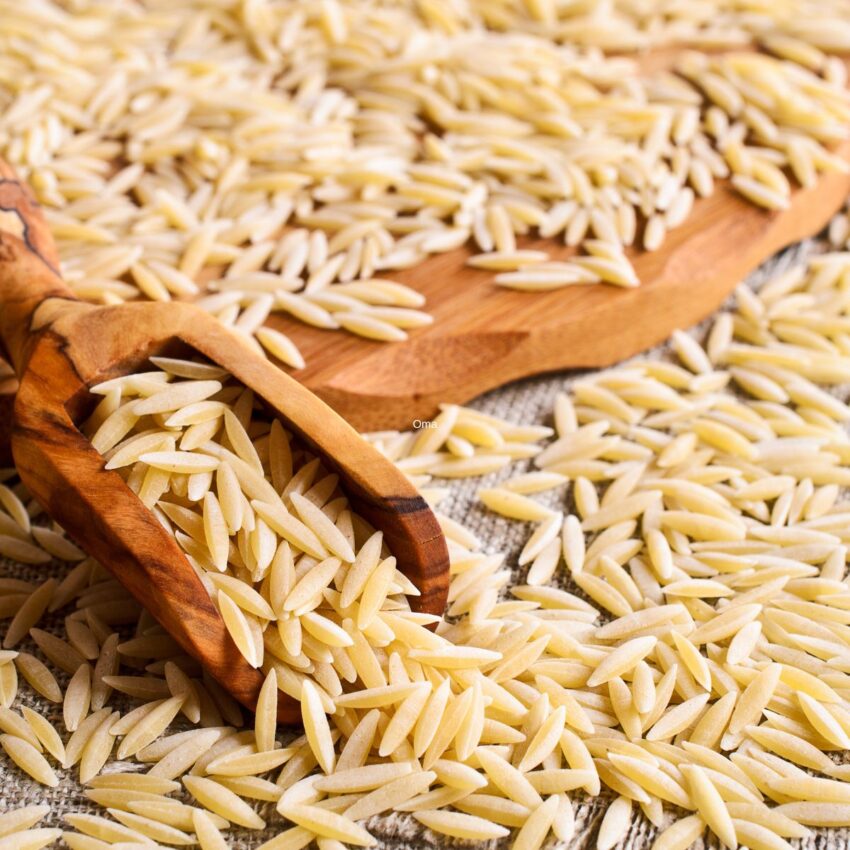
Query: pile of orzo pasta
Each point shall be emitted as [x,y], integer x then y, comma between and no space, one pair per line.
[674,630]
[289,156]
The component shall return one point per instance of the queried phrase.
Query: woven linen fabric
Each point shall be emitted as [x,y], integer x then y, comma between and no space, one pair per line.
[528,402]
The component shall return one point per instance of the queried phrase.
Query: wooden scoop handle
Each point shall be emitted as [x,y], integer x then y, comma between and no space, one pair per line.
[29,266]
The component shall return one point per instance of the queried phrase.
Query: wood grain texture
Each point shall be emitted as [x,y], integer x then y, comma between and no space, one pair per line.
[29,276]
[63,347]
[484,336]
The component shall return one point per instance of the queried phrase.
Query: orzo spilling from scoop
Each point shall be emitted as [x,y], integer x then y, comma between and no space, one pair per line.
[673,631]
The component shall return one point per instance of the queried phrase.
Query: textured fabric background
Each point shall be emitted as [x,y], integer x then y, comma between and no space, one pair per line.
[528,401]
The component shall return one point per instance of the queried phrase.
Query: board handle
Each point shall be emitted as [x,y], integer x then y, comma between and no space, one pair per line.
[29,266]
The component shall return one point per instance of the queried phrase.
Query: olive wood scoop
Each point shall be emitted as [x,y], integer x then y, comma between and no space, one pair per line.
[59,347]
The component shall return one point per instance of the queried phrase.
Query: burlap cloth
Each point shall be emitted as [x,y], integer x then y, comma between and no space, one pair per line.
[528,401]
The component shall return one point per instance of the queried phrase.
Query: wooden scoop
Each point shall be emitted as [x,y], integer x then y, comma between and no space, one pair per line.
[59,347]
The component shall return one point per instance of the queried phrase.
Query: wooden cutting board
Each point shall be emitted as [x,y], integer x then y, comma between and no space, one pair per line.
[484,336]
